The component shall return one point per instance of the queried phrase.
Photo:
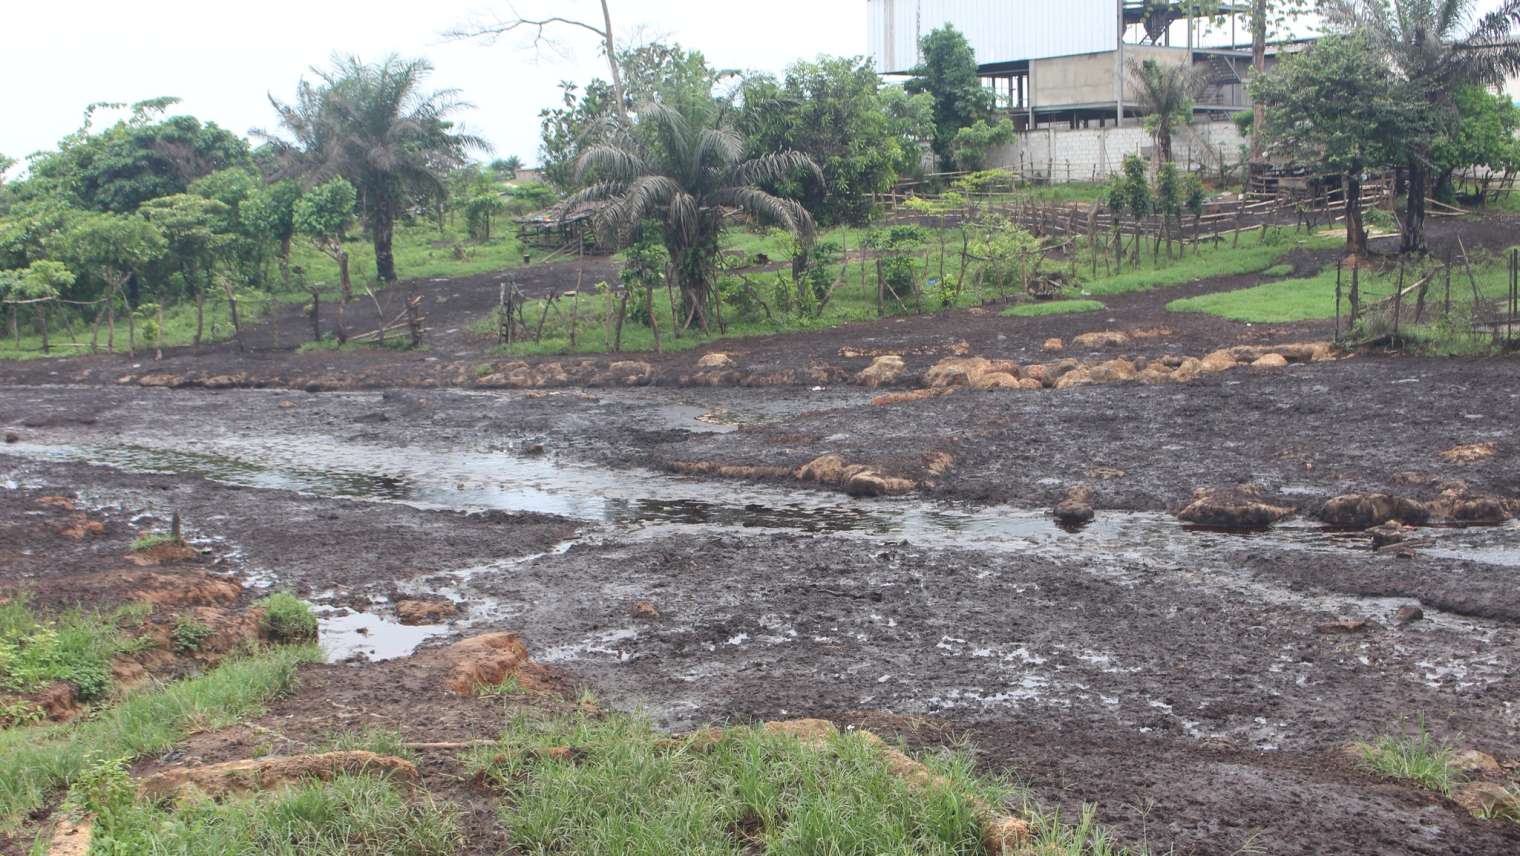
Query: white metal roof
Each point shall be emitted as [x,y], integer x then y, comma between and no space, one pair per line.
[999,30]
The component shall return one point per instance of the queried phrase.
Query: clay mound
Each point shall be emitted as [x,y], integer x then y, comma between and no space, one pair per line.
[61,503]
[81,526]
[1100,339]
[167,553]
[1076,508]
[425,611]
[882,370]
[857,479]
[261,774]
[913,395]
[1464,454]
[1366,510]
[1232,508]
[487,661]
[973,372]
[715,360]
[1474,510]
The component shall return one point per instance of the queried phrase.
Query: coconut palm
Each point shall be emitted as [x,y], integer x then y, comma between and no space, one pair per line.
[1437,46]
[686,176]
[375,126]
[1164,94]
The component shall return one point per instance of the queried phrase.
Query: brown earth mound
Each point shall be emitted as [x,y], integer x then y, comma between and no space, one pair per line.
[1239,507]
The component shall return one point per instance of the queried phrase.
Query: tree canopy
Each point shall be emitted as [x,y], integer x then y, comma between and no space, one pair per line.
[947,72]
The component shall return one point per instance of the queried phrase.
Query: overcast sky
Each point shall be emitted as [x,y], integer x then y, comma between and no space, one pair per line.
[224,58]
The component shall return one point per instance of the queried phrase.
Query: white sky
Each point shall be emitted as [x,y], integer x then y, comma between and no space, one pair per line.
[223,58]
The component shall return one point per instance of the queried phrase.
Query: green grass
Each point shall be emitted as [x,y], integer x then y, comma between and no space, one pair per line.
[287,618]
[351,815]
[147,542]
[1254,255]
[74,647]
[41,759]
[1313,299]
[1278,270]
[1419,759]
[623,789]
[1051,307]
[381,741]
[421,253]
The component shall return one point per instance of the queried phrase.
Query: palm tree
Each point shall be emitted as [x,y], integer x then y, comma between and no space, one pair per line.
[1437,46]
[686,176]
[375,126]
[1164,93]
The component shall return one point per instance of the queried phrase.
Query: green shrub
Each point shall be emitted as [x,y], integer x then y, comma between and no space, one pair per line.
[151,540]
[189,634]
[1418,758]
[287,618]
[72,647]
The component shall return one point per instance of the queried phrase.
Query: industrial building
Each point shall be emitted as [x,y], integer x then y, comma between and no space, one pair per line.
[1064,65]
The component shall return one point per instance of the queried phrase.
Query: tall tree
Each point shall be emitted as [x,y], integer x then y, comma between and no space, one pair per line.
[324,214]
[947,71]
[1164,93]
[668,168]
[832,111]
[375,126]
[1437,47]
[1336,105]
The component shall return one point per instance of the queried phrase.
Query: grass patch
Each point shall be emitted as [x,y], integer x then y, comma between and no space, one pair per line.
[1255,254]
[587,784]
[1418,758]
[42,758]
[287,618]
[1307,299]
[74,647]
[153,539]
[1278,270]
[1051,307]
[1313,299]
[421,253]
[352,815]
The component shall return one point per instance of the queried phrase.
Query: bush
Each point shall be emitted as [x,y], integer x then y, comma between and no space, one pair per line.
[287,618]
[74,648]
[189,635]
[151,540]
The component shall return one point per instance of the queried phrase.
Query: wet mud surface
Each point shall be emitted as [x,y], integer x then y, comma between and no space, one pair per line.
[1184,680]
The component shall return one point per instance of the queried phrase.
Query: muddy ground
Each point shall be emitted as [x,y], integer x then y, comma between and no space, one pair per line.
[1200,687]
[1186,681]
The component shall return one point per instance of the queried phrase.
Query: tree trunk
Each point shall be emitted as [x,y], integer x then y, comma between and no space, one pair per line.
[42,325]
[158,336]
[1356,233]
[200,320]
[385,260]
[612,62]
[654,317]
[1258,66]
[285,262]
[345,287]
[1414,206]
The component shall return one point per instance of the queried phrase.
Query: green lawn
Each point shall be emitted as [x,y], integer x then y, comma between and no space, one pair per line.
[1053,307]
[1313,298]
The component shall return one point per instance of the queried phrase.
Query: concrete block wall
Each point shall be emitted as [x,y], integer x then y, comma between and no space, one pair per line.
[1087,154]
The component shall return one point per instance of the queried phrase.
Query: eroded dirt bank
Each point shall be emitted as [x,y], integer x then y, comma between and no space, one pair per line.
[1199,686]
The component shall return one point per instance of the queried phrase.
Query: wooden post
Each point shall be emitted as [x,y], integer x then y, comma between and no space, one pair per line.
[617,341]
[1338,266]
[1398,301]
[1356,300]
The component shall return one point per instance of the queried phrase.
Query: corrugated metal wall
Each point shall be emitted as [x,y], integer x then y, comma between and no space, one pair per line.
[999,30]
